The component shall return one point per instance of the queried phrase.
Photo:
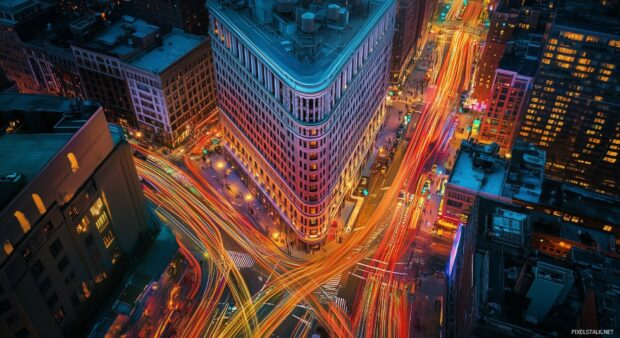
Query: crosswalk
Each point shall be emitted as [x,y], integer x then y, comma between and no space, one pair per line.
[330,288]
[242,260]
[328,292]
[342,303]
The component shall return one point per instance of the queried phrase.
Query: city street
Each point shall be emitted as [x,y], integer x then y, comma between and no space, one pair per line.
[390,263]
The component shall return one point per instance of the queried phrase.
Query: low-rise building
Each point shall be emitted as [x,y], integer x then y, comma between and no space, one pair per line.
[478,170]
[99,57]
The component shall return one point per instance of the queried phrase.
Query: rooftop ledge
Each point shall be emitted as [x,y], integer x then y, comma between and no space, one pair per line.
[309,76]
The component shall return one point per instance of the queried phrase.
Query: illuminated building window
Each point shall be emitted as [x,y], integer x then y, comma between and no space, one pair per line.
[39,203]
[85,290]
[108,239]
[73,161]
[100,277]
[572,36]
[95,209]
[82,227]
[566,50]
[23,221]
[102,222]
[607,228]
[59,315]
[8,247]
[565,58]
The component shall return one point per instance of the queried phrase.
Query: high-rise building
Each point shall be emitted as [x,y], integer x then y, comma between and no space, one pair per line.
[72,212]
[574,109]
[507,99]
[188,15]
[511,20]
[412,17]
[495,281]
[172,87]
[509,92]
[301,91]
[500,31]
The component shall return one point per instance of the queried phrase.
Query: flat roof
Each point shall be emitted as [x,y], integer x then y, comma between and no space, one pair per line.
[175,45]
[114,37]
[27,102]
[27,154]
[335,46]
[579,201]
[47,123]
[466,174]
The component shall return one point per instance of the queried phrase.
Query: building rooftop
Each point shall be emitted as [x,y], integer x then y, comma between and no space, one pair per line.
[578,201]
[33,128]
[175,45]
[592,16]
[27,154]
[512,271]
[478,167]
[307,61]
[526,173]
[521,54]
[124,38]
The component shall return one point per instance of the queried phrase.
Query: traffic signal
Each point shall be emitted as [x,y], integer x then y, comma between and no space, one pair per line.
[204,151]
[365,192]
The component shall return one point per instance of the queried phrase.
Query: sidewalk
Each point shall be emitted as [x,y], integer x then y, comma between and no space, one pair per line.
[223,175]
[426,307]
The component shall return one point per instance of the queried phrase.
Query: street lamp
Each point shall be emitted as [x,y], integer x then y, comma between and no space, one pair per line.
[248,199]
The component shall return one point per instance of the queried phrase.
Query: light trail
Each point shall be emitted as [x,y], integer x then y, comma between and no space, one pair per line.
[382,308]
